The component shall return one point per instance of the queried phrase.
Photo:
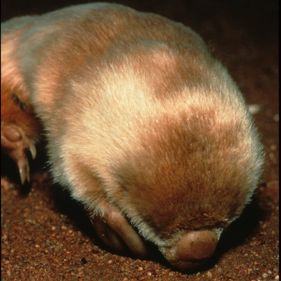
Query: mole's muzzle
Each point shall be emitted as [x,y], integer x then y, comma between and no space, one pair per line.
[192,249]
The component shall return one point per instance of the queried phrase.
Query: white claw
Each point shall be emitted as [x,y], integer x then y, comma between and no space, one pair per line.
[24,171]
[27,173]
[254,108]
[22,175]
[32,150]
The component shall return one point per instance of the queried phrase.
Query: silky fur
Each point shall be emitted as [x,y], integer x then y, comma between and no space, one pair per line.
[137,113]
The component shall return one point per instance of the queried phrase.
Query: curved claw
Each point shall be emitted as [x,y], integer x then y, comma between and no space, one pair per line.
[32,150]
[14,140]
[24,171]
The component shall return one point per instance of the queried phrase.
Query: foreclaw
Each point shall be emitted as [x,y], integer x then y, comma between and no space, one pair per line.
[23,167]
[32,150]
[16,143]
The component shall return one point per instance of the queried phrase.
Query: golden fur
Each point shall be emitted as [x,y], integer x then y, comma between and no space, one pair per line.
[137,113]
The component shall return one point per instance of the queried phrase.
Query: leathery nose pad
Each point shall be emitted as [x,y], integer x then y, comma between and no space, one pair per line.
[193,248]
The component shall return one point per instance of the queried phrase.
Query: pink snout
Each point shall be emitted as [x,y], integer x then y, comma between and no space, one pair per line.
[193,248]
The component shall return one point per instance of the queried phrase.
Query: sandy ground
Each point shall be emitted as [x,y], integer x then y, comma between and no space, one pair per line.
[45,235]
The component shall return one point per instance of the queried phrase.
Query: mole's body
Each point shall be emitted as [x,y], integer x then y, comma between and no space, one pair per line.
[143,125]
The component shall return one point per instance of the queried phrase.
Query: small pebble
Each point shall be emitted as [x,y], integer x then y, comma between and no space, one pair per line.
[219,269]
[273,147]
[276,117]
[272,157]
[254,108]
[5,184]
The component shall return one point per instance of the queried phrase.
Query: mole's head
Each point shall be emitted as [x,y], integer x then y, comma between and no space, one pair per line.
[188,180]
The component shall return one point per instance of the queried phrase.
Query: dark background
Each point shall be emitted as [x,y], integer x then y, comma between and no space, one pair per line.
[259,17]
